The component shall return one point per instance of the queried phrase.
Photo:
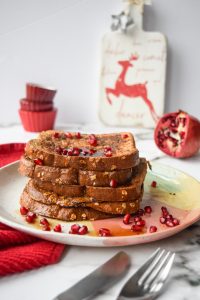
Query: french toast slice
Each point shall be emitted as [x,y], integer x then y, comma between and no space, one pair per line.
[70,176]
[121,193]
[47,197]
[109,152]
[83,211]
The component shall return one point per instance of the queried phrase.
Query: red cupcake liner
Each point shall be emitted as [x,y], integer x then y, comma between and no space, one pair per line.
[36,92]
[38,121]
[30,105]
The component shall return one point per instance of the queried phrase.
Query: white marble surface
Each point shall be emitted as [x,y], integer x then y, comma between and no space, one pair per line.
[45,283]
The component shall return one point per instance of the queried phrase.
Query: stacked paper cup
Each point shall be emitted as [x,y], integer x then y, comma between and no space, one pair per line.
[37,110]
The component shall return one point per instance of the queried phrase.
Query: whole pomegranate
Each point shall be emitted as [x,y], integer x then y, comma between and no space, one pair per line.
[178,134]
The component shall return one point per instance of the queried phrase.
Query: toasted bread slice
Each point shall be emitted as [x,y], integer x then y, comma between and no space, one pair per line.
[46,197]
[107,207]
[111,208]
[62,213]
[122,193]
[48,148]
[70,176]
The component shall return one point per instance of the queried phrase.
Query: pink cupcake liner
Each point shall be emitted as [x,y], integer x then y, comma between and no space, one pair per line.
[30,105]
[36,92]
[38,121]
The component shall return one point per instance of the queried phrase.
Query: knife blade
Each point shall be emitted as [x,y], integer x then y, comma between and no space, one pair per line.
[102,278]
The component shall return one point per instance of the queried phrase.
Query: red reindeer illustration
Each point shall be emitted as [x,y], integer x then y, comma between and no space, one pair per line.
[131,91]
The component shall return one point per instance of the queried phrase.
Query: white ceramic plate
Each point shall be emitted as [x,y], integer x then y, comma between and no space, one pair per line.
[175,190]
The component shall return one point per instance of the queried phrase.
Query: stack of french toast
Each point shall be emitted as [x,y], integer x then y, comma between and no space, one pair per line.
[82,177]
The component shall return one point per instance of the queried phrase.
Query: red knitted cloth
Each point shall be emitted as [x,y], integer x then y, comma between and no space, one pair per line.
[19,251]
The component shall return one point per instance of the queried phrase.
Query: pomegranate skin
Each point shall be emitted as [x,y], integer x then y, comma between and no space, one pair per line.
[190,142]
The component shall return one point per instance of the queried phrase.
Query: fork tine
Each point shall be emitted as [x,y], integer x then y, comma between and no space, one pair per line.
[146,265]
[162,276]
[133,280]
[146,272]
[157,269]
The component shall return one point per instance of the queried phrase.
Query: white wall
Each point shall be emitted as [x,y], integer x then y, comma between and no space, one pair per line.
[56,42]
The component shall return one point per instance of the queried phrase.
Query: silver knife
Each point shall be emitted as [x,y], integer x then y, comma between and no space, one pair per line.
[102,278]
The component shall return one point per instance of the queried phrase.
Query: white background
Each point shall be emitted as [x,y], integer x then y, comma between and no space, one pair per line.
[56,42]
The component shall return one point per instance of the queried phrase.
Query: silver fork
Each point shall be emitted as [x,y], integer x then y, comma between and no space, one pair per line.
[148,281]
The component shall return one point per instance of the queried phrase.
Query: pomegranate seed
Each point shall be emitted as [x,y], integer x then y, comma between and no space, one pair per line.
[44,222]
[108,154]
[154,184]
[23,210]
[140,223]
[32,214]
[174,131]
[92,142]
[107,149]
[148,210]
[152,229]
[113,183]
[126,219]
[104,232]
[68,135]
[92,151]
[169,217]
[84,152]
[58,228]
[75,228]
[70,152]
[175,221]
[30,217]
[56,135]
[78,135]
[165,212]
[65,152]
[136,228]
[46,228]
[162,220]
[137,219]
[140,212]
[173,123]
[143,223]
[169,223]
[164,209]
[124,136]
[182,134]
[38,161]
[83,230]
[76,152]
[59,150]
